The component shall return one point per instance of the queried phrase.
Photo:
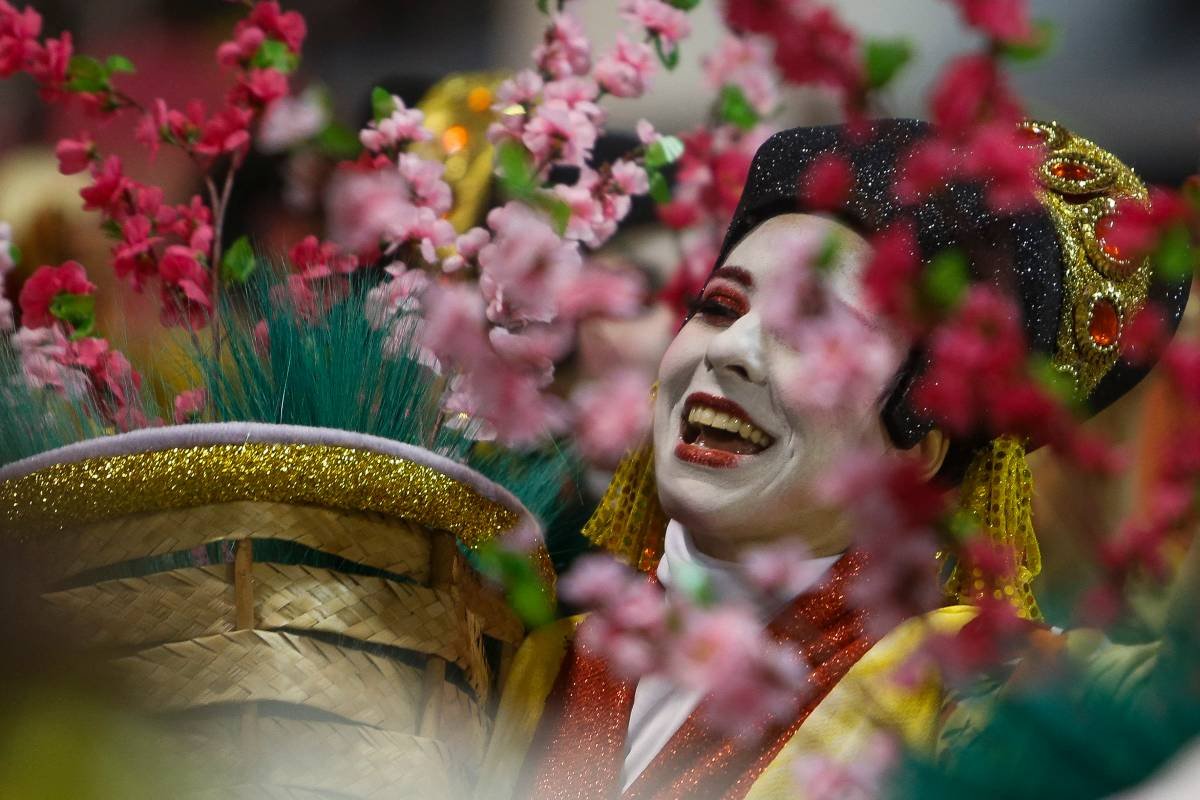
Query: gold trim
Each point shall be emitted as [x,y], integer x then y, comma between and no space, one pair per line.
[1089,273]
[102,488]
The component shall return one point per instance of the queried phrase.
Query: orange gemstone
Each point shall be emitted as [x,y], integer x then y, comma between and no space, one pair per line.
[1105,324]
[1072,171]
[1104,227]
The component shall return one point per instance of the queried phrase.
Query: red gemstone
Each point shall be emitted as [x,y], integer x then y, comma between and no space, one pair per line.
[1072,171]
[1104,227]
[1032,136]
[1105,324]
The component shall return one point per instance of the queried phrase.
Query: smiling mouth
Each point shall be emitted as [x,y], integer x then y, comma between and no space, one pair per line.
[717,432]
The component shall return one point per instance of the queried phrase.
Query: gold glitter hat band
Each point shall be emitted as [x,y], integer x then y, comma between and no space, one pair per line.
[192,465]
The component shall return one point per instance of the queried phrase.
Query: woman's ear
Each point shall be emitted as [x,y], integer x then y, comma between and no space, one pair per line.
[931,452]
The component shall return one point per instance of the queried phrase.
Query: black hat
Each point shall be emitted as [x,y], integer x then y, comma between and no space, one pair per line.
[1073,295]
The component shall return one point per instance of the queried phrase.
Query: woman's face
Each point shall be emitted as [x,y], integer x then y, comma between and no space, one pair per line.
[737,461]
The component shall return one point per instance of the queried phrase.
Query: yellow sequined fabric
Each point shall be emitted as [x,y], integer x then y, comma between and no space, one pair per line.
[629,521]
[997,492]
[1103,287]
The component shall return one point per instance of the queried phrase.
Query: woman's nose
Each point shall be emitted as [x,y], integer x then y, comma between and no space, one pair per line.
[738,350]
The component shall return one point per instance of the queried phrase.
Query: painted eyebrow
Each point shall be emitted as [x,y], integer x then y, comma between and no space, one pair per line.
[735,274]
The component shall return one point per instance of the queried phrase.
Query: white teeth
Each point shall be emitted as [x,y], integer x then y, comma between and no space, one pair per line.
[700,415]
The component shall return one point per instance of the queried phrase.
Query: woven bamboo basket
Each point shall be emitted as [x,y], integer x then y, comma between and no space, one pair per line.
[293,604]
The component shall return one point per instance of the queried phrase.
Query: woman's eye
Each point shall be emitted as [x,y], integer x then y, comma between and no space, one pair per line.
[720,308]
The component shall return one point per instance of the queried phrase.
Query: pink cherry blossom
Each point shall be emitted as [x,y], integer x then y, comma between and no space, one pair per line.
[659,19]
[629,177]
[781,570]
[190,404]
[525,267]
[565,49]
[423,179]
[646,133]
[534,348]
[594,580]
[843,360]
[627,69]
[290,121]
[400,293]
[467,247]
[611,416]
[820,776]
[603,291]
[744,62]
[44,363]
[402,126]
[363,204]
[558,133]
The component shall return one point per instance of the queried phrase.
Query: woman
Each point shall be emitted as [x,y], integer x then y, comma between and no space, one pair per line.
[733,464]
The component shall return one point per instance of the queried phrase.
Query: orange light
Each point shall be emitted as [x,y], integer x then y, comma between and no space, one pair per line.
[479,99]
[455,138]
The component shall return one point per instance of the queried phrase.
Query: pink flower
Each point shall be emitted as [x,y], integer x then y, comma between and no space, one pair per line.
[363,205]
[47,283]
[189,405]
[602,291]
[18,38]
[291,120]
[629,177]
[505,403]
[659,19]
[420,226]
[423,178]
[48,66]
[525,267]
[611,416]
[245,43]
[45,363]
[646,133]
[744,62]
[626,71]
[824,777]
[781,570]
[74,155]
[467,246]
[402,292]
[402,126]
[6,249]
[750,679]
[1004,20]
[594,580]
[565,49]
[186,287]
[534,348]
[520,89]
[226,132]
[455,324]
[827,182]
[842,361]
[561,134]
[288,27]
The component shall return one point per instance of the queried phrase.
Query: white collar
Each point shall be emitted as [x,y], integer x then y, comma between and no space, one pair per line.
[727,579]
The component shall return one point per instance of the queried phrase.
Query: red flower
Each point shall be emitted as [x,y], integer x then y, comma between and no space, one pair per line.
[754,16]
[816,47]
[226,132]
[246,41]
[186,287]
[18,38]
[289,27]
[925,170]
[312,259]
[260,87]
[1135,229]
[1003,20]
[134,256]
[827,183]
[74,155]
[107,189]
[49,66]
[971,90]
[1006,165]
[889,277]
[47,283]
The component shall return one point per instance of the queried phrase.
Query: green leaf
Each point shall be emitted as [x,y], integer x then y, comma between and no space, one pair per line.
[118,63]
[543,6]
[86,74]
[112,229]
[238,263]
[734,108]
[695,583]
[1175,257]
[660,190]
[517,574]
[884,60]
[560,212]
[515,165]
[14,253]
[274,54]
[686,5]
[828,256]
[945,279]
[1055,380]
[382,104]
[669,58]
[77,310]
[338,142]
[664,150]
[1044,34]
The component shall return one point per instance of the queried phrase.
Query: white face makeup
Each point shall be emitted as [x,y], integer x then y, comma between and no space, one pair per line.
[736,463]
